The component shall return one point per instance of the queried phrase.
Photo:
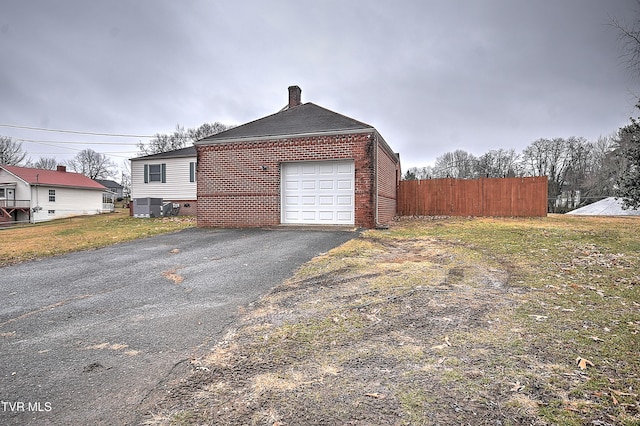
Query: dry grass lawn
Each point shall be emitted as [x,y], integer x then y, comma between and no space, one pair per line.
[60,236]
[437,321]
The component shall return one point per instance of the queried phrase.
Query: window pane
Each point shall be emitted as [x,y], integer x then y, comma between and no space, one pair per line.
[52,195]
[155,173]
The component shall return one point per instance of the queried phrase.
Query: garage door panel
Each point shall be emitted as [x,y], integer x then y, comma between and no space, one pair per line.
[309,185]
[324,200]
[309,215]
[344,217]
[294,170]
[292,215]
[309,169]
[344,184]
[292,185]
[309,201]
[318,192]
[326,169]
[326,184]
[342,200]
[344,168]
[292,201]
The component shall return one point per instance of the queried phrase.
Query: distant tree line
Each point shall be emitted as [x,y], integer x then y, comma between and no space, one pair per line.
[606,167]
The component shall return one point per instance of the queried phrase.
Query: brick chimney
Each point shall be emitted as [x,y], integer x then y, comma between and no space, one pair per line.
[61,169]
[295,96]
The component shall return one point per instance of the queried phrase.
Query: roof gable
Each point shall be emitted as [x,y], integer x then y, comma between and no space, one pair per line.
[302,119]
[53,177]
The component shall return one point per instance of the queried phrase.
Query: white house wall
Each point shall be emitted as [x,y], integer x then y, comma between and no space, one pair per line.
[68,202]
[23,189]
[176,187]
[22,192]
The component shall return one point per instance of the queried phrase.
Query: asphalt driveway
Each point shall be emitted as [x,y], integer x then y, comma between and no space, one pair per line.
[86,338]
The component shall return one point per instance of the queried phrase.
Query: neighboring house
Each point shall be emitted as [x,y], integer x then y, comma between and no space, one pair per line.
[114,187]
[168,175]
[303,165]
[37,195]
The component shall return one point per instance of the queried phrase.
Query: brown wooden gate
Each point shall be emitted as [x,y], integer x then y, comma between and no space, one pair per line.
[524,197]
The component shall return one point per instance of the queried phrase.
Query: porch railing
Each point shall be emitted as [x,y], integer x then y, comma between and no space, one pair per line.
[19,204]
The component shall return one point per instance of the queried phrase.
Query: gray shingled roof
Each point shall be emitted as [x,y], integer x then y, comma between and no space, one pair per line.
[302,119]
[189,151]
[108,183]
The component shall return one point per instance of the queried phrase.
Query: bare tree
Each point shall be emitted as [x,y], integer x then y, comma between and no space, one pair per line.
[458,164]
[629,38]
[125,178]
[499,163]
[180,138]
[426,172]
[46,163]
[548,157]
[11,152]
[604,168]
[92,164]
[207,129]
[578,153]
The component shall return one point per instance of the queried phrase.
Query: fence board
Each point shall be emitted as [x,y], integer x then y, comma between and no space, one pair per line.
[524,197]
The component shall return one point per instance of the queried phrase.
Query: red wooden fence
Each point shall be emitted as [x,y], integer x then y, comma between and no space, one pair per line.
[506,197]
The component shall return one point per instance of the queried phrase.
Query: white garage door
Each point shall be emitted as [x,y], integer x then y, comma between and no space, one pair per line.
[320,192]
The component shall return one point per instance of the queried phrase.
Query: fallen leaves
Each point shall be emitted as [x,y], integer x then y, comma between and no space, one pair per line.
[446,344]
[517,387]
[583,363]
[539,317]
[172,275]
[376,395]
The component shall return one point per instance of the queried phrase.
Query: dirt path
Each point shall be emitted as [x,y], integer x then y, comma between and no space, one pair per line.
[376,332]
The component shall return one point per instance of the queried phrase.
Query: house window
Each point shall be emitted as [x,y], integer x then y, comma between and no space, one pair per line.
[192,171]
[1,192]
[51,211]
[52,195]
[155,173]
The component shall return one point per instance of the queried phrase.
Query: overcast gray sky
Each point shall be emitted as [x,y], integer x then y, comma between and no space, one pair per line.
[432,76]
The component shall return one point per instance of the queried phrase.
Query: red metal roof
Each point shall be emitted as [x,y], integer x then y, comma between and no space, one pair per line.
[53,177]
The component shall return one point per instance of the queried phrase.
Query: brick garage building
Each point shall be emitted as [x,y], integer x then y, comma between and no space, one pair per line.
[302,165]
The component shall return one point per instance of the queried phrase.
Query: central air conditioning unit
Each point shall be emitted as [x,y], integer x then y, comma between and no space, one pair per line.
[147,207]
[170,208]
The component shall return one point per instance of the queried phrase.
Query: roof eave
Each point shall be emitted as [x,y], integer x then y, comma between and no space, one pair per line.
[205,142]
[159,157]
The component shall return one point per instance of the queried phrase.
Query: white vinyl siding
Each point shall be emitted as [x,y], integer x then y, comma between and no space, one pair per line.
[67,202]
[320,192]
[177,185]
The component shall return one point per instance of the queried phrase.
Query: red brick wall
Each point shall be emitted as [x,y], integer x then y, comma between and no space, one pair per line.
[388,181]
[239,182]
[192,210]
